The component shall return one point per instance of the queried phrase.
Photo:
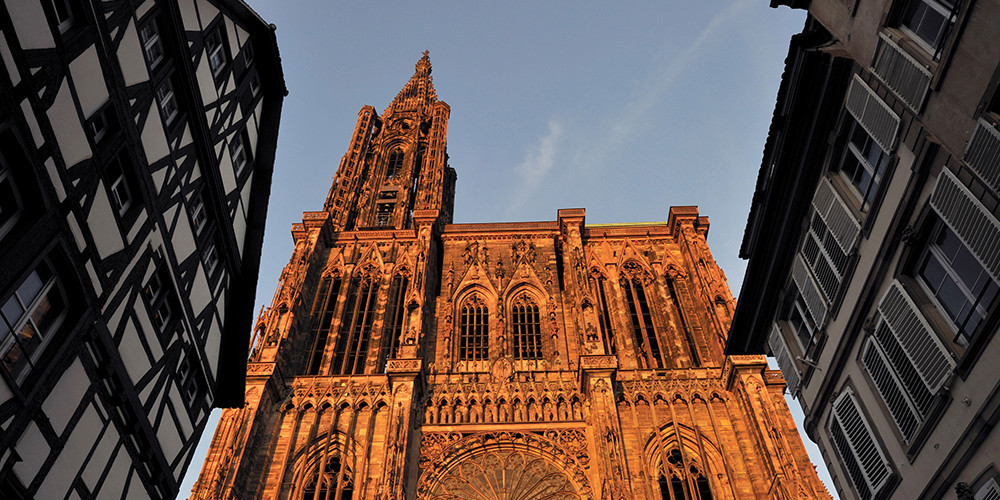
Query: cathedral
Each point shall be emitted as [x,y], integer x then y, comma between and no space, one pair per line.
[408,357]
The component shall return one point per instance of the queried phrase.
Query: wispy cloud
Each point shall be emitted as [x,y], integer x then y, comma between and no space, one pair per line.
[634,115]
[537,163]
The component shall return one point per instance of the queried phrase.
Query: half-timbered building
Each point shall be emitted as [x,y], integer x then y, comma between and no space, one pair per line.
[137,142]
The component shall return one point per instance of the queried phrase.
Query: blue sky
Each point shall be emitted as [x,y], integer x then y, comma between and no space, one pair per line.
[623,108]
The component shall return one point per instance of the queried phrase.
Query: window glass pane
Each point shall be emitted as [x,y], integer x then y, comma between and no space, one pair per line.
[12,310]
[48,310]
[30,288]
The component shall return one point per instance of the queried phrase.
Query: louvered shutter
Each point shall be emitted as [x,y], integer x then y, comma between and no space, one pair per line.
[989,491]
[977,228]
[810,291]
[983,153]
[922,346]
[838,218]
[907,78]
[856,443]
[785,362]
[874,115]
[891,389]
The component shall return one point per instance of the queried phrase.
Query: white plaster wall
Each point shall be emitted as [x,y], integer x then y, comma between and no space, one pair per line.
[206,11]
[72,456]
[30,24]
[102,224]
[154,142]
[29,116]
[91,89]
[101,456]
[66,396]
[132,353]
[212,352]
[189,15]
[67,127]
[8,60]
[181,238]
[33,450]
[130,57]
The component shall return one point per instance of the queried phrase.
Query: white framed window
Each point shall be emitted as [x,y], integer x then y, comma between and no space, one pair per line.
[149,36]
[929,22]
[10,199]
[64,15]
[215,46]
[28,320]
[238,153]
[121,196]
[168,101]
[958,282]
[801,321]
[159,301]
[199,216]
[864,164]
[190,377]
[210,257]
[98,126]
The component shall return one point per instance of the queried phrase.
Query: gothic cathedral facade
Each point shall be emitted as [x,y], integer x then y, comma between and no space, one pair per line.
[408,357]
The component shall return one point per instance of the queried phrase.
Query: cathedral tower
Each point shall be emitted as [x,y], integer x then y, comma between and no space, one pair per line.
[408,357]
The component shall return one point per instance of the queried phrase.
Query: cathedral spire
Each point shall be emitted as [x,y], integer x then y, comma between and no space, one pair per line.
[419,90]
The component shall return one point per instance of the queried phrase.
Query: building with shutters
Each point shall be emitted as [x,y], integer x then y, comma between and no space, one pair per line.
[872,242]
[137,142]
[406,356]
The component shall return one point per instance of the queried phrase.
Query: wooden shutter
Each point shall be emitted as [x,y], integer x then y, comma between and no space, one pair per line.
[907,78]
[983,153]
[922,346]
[785,362]
[810,291]
[893,393]
[874,115]
[977,228]
[838,218]
[867,464]
[989,491]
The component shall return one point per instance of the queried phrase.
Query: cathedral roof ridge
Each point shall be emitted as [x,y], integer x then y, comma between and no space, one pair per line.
[419,89]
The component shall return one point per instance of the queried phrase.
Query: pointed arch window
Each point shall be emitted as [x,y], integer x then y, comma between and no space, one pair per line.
[526,328]
[323,309]
[473,335]
[356,326]
[599,284]
[395,316]
[643,330]
[395,164]
[680,482]
[332,481]
[692,347]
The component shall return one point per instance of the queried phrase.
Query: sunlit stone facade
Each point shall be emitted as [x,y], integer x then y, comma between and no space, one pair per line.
[405,356]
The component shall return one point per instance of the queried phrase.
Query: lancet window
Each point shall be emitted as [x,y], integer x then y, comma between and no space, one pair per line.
[600,287]
[332,481]
[678,481]
[644,333]
[395,316]
[323,309]
[473,335]
[526,328]
[692,347]
[356,326]
[394,165]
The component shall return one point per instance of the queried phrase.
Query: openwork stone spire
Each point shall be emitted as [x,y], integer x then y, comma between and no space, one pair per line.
[419,90]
